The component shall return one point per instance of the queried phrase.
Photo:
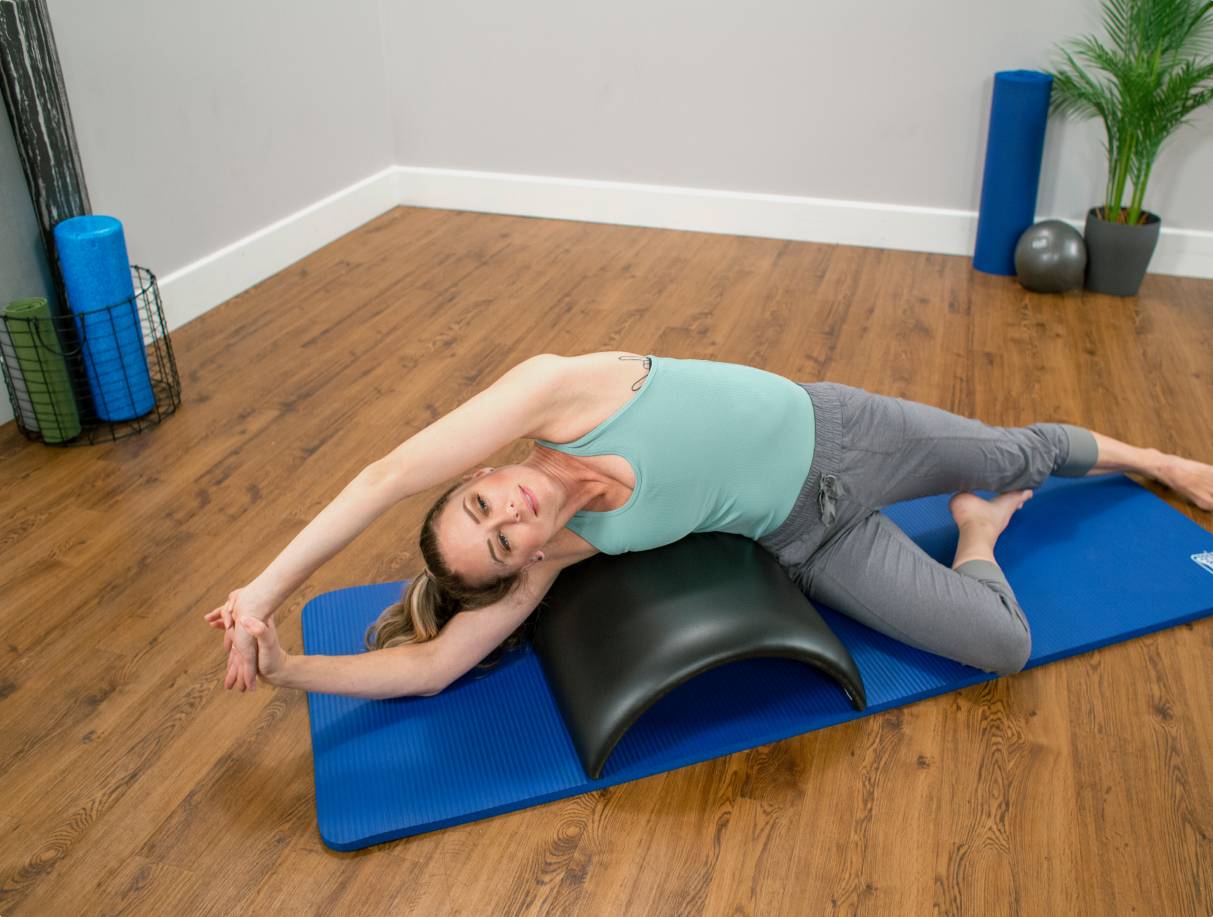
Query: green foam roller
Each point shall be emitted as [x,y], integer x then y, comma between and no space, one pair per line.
[42,365]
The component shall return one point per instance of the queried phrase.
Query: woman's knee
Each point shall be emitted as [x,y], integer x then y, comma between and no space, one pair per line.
[1009,651]
[999,639]
[1006,639]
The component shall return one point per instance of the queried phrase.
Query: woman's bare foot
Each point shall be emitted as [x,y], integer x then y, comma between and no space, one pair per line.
[1192,479]
[968,507]
[982,521]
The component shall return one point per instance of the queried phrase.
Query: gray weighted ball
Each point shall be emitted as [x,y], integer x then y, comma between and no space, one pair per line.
[1051,257]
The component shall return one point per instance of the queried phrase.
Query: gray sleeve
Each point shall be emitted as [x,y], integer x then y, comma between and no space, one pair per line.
[1084,453]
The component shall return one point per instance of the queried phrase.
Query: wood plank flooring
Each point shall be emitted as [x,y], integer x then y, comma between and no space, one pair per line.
[131,782]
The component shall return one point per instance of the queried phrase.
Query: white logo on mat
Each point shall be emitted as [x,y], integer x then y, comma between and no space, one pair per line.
[1205,559]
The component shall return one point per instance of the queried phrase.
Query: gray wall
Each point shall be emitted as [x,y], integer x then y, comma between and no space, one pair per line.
[201,123]
[881,102]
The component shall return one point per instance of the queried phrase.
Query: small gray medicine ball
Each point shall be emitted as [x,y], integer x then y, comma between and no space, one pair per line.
[1051,257]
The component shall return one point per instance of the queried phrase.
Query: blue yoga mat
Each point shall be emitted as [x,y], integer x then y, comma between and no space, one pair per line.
[1093,561]
[97,277]
[1012,174]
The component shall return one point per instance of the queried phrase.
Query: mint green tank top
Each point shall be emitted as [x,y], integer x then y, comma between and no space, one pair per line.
[716,447]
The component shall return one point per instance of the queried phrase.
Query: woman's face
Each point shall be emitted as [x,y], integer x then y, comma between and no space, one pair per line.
[497,523]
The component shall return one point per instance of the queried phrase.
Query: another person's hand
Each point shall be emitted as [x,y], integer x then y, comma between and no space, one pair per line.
[271,658]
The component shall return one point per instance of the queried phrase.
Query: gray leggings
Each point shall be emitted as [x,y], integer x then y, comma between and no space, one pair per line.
[871,451]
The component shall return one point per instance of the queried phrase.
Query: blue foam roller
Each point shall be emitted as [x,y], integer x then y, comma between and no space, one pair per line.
[97,276]
[1012,174]
[1092,561]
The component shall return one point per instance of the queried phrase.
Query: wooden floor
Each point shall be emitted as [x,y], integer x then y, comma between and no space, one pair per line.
[131,782]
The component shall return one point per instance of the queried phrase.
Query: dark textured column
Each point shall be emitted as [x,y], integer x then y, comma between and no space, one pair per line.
[36,100]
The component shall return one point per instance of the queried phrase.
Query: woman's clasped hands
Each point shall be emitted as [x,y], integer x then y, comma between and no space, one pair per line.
[250,639]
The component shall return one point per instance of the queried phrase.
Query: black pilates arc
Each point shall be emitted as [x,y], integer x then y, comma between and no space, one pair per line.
[617,632]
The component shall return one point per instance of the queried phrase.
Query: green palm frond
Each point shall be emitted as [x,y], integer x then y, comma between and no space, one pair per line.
[1118,17]
[1143,84]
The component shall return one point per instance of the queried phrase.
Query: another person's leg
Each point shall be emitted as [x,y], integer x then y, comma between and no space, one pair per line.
[875,574]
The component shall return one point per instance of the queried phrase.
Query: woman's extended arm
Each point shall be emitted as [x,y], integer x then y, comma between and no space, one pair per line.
[516,405]
[361,502]
[397,671]
[413,669]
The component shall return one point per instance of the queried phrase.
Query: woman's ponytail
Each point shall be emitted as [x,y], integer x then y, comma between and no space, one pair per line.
[413,619]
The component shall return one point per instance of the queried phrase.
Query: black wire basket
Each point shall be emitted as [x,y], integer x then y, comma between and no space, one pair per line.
[89,377]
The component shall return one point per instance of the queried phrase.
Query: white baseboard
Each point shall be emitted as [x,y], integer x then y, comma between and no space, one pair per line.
[698,209]
[199,287]
[1186,253]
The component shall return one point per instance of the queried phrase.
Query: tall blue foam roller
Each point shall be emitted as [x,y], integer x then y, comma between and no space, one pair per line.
[97,277]
[1013,152]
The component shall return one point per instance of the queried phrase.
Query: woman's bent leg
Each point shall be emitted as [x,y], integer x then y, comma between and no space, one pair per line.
[897,449]
[875,574]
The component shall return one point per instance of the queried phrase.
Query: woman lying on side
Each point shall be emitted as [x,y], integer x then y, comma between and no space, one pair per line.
[633,452]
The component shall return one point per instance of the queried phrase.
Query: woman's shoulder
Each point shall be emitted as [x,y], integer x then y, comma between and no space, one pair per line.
[591,366]
[589,388]
[578,374]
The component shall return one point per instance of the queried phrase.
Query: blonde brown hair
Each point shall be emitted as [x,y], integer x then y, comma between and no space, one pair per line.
[436,595]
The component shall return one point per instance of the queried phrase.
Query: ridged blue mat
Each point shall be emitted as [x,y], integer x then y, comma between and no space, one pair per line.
[1093,561]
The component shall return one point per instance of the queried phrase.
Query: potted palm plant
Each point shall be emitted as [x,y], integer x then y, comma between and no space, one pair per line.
[1144,83]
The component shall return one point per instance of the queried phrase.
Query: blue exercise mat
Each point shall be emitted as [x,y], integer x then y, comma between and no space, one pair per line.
[1093,561]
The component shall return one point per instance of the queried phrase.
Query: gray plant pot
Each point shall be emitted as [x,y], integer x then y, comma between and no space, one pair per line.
[1118,254]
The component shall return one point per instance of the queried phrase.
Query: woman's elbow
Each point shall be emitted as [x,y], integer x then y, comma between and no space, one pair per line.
[397,692]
